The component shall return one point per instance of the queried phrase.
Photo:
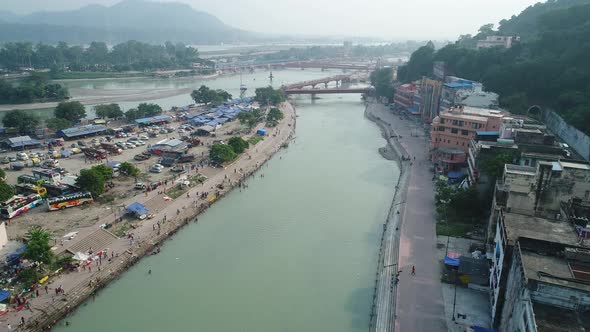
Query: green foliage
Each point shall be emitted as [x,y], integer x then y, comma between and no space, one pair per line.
[420,64]
[22,120]
[252,118]
[205,95]
[238,144]
[129,169]
[494,165]
[110,111]
[32,89]
[104,171]
[38,248]
[56,124]
[144,110]
[2,176]
[273,117]
[6,190]
[255,139]
[382,80]
[91,180]
[550,70]
[29,276]
[269,96]
[70,110]
[457,204]
[130,55]
[221,153]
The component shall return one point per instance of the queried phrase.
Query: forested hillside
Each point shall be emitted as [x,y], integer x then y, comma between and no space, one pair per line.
[551,69]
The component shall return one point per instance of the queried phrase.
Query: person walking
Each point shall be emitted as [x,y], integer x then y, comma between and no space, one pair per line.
[413,270]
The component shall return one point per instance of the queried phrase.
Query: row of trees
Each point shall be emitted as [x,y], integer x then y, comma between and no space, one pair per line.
[269,96]
[222,153]
[35,88]
[95,178]
[130,55]
[550,69]
[69,112]
[382,80]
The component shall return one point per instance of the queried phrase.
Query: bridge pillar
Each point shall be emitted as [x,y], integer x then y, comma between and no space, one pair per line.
[326,85]
[313,86]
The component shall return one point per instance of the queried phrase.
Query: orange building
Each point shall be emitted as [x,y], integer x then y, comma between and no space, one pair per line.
[452,131]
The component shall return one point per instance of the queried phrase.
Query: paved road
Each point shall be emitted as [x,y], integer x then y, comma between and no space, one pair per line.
[419,303]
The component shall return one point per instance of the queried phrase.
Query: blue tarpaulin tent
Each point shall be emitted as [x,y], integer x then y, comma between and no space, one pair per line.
[455,174]
[261,132]
[481,329]
[452,261]
[3,295]
[138,209]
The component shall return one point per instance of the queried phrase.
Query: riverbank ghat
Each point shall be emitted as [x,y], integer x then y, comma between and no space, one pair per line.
[120,253]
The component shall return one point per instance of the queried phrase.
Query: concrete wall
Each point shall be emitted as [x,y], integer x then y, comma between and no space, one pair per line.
[579,141]
[517,311]
[3,235]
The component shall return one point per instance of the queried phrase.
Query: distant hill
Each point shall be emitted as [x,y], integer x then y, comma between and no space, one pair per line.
[526,24]
[131,19]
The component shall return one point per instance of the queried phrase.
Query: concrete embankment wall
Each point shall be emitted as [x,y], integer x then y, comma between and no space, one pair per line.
[579,141]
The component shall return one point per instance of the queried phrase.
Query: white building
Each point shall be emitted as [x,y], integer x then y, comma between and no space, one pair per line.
[495,41]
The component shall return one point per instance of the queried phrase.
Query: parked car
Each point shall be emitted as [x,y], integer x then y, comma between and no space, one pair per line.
[140,157]
[22,156]
[131,139]
[12,159]
[5,160]
[75,150]
[81,143]
[140,185]
[143,137]
[131,146]
[17,166]
[157,168]
[139,143]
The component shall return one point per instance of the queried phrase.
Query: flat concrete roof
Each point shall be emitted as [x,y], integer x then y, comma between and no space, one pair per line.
[519,225]
[483,112]
[554,319]
[522,170]
[575,165]
[462,116]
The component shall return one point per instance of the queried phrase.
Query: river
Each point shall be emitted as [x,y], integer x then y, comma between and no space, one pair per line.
[296,251]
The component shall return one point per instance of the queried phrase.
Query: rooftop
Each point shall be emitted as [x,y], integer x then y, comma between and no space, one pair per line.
[566,164]
[522,170]
[452,114]
[518,225]
[552,270]
[555,319]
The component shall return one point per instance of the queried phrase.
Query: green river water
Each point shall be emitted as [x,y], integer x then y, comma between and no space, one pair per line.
[296,251]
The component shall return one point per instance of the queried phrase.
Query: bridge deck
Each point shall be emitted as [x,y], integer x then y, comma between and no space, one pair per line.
[325,91]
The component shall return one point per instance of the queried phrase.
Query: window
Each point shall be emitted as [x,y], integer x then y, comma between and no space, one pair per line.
[454,130]
[441,128]
[464,132]
[476,125]
[458,123]
[442,121]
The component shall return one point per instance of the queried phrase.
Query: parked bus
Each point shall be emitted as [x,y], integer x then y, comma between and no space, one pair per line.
[66,201]
[111,147]
[19,204]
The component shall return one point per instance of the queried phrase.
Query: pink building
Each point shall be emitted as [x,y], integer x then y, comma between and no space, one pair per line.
[452,131]
[404,95]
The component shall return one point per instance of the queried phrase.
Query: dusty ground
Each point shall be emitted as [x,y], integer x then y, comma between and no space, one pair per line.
[63,221]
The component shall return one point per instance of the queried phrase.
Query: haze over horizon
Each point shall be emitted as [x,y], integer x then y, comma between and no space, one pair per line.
[374,18]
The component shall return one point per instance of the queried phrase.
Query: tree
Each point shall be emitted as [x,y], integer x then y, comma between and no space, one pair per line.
[23,121]
[273,117]
[105,171]
[38,248]
[382,80]
[204,95]
[237,144]
[132,114]
[494,166]
[252,118]
[2,175]
[92,181]
[269,96]
[129,169]
[70,110]
[111,111]
[221,153]
[6,191]
[148,109]
[56,124]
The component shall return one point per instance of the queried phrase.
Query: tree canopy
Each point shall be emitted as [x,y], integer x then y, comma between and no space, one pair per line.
[382,80]
[144,110]
[6,191]
[273,117]
[252,118]
[21,120]
[238,144]
[72,111]
[35,88]
[221,153]
[97,57]
[129,169]
[56,124]
[269,96]
[38,248]
[205,95]
[91,180]
[110,111]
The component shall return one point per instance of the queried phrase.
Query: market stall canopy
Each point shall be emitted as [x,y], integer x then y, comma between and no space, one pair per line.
[138,209]
[80,256]
[4,295]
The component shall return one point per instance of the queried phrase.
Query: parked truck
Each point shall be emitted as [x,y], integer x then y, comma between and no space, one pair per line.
[111,147]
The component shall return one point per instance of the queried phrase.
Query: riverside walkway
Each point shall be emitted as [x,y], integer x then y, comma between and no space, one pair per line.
[414,303]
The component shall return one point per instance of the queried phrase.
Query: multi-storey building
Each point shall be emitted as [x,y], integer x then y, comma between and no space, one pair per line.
[404,96]
[430,92]
[453,130]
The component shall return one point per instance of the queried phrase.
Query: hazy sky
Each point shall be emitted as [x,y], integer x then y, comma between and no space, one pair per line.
[392,19]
